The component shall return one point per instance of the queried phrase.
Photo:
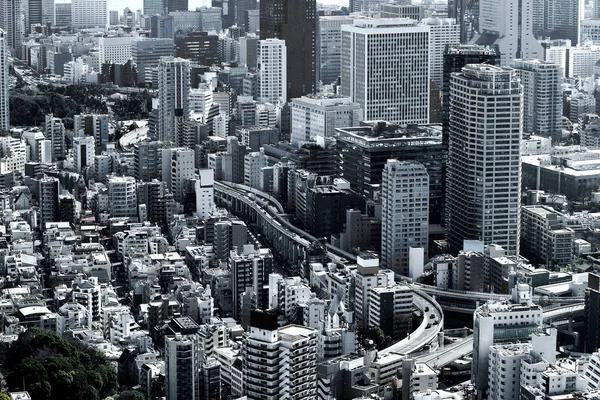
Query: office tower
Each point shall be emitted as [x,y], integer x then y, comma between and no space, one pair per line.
[35,12]
[544,236]
[146,54]
[177,5]
[161,26]
[558,19]
[329,47]
[55,132]
[404,213]
[177,169]
[596,4]
[484,184]
[147,156]
[249,51]
[113,18]
[466,12]
[4,98]
[509,24]
[152,7]
[96,125]
[89,14]
[205,193]
[83,152]
[295,22]
[272,71]
[122,196]
[174,98]
[385,69]
[47,12]
[16,24]
[357,6]
[183,358]
[371,146]
[316,117]
[542,97]
[250,268]
[278,362]
[48,201]
[62,14]
[115,50]
[241,12]
[210,19]
[198,47]
[442,32]
[499,322]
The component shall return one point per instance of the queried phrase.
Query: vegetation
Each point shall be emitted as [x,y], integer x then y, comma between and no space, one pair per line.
[49,368]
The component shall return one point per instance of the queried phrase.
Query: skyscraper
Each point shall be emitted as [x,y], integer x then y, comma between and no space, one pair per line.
[558,19]
[404,213]
[48,192]
[329,45]
[241,12]
[272,71]
[35,12]
[385,69]
[16,24]
[542,97]
[174,98]
[177,5]
[484,161]
[509,24]
[442,31]
[152,7]
[4,100]
[294,21]
[89,14]
[47,12]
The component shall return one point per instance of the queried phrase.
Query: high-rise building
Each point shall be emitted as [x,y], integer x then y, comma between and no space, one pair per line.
[47,12]
[55,132]
[122,196]
[329,47]
[174,98]
[16,24]
[4,98]
[442,32]
[48,201]
[177,5]
[294,21]
[484,184]
[115,49]
[146,53]
[509,24]
[558,19]
[95,125]
[368,276]
[83,152]
[279,362]
[152,7]
[241,12]
[198,47]
[147,156]
[62,14]
[542,97]
[272,71]
[183,358]
[178,166]
[35,12]
[205,193]
[596,8]
[89,14]
[385,69]
[161,26]
[404,213]
[249,269]
[357,6]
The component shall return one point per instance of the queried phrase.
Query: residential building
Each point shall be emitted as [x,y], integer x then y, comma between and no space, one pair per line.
[390,309]
[545,237]
[272,71]
[48,201]
[83,152]
[174,95]
[4,98]
[55,132]
[178,168]
[122,196]
[95,125]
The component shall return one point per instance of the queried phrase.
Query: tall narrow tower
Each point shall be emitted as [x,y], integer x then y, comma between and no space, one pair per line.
[484,161]
[174,99]
[4,103]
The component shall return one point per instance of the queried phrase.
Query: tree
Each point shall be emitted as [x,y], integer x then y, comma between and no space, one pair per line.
[4,396]
[130,395]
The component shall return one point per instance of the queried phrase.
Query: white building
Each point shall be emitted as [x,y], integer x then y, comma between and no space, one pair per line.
[368,275]
[16,25]
[574,61]
[390,309]
[183,359]
[122,196]
[89,14]
[76,72]
[483,193]
[174,99]
[178,167]
[315,117]
[442,31]
[272,71]
[544,235]
[509,24]
[253,164]
[115,49]
[385,69]
[55,132]
[404,213]
[96,125]
[279,362]
[542,97]
[4,103]
[83,152]
[205,201]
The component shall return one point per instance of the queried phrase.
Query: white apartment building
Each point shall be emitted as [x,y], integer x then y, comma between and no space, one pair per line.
[404,212]
[122,196]
[442,31]
[174,99]
[484,184]
[178,167]
[4,101]
[55,132]
[545,235]
[368,276]
[89,14]
[115,49]
[315,117]
[253,164]
[385,69]
[205,197]
[542,97]
[574,61]
[272,71]
[83,152]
